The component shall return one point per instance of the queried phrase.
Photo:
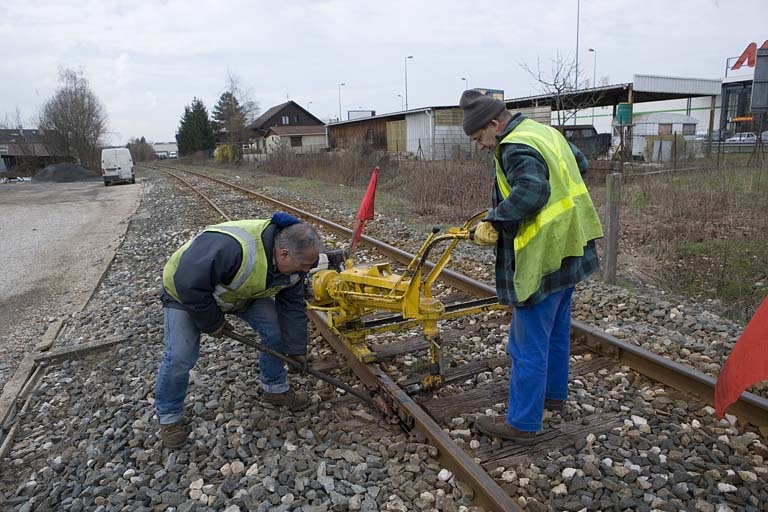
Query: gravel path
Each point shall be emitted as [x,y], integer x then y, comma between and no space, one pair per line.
[57,239]
[87,440]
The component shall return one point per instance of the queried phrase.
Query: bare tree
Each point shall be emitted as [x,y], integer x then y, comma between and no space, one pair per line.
[13,121]
[141,150]
[232,114]
[567,90]
[74,120]
[248,106]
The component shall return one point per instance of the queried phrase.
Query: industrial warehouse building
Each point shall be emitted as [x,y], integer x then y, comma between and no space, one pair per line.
[435,133]
[666,110]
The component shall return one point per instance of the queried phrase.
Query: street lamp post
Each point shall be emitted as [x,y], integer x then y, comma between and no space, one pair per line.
[594,78]
[466,83]
[340,86]
[406,80]
[576,81]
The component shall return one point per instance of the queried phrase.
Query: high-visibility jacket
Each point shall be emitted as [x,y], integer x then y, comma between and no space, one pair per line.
[250,280]
[565,224]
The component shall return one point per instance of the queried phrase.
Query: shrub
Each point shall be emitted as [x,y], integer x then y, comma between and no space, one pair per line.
[224,154]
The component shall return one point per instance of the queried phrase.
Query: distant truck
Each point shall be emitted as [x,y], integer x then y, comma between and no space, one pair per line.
[117,166]
[584,136]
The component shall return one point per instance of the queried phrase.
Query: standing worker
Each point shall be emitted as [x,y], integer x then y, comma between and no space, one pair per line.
[543,227]
[251,268]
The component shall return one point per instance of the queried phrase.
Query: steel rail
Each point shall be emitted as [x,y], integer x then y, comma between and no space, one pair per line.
[207,199]
[749,407]
[487,492]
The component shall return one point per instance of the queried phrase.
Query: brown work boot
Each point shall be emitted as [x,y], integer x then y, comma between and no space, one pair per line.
[173,435]
[497,426]
[553,405]
[295,401]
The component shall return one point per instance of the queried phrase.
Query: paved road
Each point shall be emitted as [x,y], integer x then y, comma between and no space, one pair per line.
[55,240]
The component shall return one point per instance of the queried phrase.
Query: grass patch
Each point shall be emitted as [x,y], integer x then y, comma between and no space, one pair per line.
[708,230]
[733,272]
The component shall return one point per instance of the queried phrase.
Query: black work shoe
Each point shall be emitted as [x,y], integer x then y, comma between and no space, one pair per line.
[173,435]
[295,401]
[497,426]
[553,405]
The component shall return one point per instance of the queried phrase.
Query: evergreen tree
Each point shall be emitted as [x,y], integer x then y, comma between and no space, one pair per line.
[228,119]
[195,130]
[231,115]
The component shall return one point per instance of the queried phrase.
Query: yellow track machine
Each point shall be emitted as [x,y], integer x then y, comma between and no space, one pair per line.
[352,297]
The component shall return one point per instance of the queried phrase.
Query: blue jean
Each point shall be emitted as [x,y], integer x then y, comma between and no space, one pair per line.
[539,346]
[182,348]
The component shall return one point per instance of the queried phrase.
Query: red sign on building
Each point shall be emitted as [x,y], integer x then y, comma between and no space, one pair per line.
[748,56]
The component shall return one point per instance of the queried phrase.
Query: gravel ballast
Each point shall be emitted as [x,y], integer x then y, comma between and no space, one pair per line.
[87,439]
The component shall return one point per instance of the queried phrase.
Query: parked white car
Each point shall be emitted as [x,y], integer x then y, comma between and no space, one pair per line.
[742,138]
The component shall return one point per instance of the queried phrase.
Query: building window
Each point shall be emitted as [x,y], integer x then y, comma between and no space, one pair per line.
[295,142]
[689,129]
[369,136]
[665,128]
[286,119]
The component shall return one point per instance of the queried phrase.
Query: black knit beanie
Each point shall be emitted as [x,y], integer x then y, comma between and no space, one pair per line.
[479,110]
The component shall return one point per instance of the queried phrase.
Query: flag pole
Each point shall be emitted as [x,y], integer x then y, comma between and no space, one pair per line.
[364,213]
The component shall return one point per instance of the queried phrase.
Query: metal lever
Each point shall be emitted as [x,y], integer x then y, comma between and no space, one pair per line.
[320,375]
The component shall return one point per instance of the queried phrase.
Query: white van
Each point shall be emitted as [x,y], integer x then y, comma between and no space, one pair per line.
[117,166]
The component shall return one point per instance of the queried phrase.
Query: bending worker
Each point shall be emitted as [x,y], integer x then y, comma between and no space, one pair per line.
[543,227]
[251,268]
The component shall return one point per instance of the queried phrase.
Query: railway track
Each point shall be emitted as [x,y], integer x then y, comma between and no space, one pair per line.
[433,415]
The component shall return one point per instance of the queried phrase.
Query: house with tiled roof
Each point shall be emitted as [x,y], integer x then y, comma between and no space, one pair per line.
[290,126]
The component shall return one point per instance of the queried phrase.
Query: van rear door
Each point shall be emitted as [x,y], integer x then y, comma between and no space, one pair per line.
[117,165]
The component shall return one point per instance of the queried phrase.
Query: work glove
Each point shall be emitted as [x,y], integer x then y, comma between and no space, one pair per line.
[219,332]
[303,361]
[485,234]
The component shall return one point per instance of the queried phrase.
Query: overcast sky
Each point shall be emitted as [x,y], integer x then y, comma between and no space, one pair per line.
[146,60]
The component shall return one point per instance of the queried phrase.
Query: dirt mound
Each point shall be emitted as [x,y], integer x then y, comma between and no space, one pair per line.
[66,173]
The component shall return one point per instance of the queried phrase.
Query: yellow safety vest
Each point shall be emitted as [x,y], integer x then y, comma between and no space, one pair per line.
[565,224]
[250,280]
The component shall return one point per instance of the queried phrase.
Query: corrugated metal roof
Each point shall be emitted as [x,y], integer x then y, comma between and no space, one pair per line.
[663,117]
[23,135]
[676,85]
[645,88]
[393,114]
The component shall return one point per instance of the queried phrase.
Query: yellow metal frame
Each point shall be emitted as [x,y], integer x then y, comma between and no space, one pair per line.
[349,296]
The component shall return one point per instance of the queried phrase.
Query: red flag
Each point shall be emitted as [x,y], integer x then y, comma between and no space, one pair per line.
[747,363]
[366,209]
